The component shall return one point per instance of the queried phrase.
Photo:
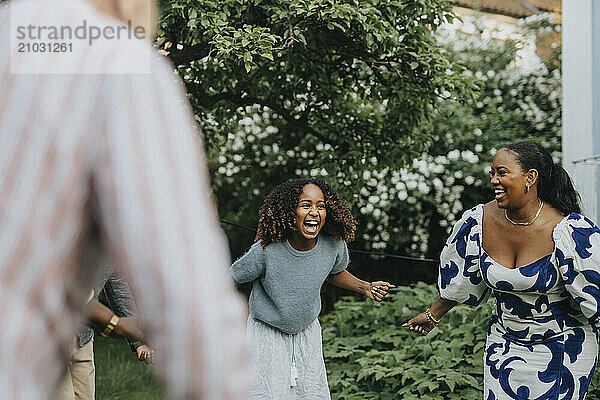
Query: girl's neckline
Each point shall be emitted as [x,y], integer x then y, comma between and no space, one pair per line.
[299,253]
[480,212]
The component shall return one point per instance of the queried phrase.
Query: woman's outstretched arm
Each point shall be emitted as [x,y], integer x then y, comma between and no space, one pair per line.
[427,320]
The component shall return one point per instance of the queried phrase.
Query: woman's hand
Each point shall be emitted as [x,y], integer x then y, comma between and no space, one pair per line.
[426,321]
[378,290]
[145,354]
[420,324]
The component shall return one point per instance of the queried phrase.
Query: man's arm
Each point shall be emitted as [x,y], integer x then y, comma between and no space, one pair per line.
[99,316]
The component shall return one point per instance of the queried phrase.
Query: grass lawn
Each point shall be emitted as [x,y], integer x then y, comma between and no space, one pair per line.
[119,375]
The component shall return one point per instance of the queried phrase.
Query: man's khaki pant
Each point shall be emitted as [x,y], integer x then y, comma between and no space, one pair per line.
[79,382]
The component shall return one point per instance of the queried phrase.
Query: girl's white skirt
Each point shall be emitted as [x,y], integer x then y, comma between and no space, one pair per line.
[288,367]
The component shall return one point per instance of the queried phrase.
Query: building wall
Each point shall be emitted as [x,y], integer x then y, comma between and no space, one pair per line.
[581,99]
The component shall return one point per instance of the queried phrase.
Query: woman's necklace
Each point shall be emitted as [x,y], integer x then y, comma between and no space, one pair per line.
[527,223]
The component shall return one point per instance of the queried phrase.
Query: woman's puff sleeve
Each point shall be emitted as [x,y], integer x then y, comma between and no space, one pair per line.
[250,266]
[459,276]
[577,241]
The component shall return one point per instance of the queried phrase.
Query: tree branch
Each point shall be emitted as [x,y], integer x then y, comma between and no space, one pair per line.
[188,53]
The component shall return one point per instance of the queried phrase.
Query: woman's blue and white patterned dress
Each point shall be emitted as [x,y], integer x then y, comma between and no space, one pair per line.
[542,337]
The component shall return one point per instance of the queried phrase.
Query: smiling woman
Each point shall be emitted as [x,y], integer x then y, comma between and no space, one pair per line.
[301,242]
[540,259]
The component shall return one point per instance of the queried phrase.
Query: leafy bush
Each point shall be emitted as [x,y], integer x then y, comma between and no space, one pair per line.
[369,355]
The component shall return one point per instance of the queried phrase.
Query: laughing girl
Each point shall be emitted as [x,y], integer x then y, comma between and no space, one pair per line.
[303,228]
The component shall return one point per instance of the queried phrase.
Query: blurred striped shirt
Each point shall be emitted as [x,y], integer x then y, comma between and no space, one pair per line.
[116,157]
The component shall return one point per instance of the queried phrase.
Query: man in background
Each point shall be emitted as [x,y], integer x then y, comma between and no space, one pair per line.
[79,382]
[98,153]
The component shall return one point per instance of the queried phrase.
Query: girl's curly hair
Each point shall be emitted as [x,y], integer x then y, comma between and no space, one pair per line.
[276,215]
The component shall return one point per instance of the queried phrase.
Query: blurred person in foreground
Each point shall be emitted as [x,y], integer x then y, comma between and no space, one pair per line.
[86,156]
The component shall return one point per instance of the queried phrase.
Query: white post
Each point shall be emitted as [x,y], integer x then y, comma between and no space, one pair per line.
[581,99]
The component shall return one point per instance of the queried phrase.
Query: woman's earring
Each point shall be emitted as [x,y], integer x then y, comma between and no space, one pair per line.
[526,188]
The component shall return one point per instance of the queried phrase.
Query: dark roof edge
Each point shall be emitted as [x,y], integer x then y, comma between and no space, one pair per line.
[506,13]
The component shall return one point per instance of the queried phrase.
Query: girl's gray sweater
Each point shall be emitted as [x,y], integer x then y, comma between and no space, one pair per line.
[287,282]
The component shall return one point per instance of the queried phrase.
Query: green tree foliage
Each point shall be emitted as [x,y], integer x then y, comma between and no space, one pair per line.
[351,78]
[369,355]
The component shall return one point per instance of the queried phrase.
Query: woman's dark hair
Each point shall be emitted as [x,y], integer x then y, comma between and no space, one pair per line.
[276,215]
[554,185]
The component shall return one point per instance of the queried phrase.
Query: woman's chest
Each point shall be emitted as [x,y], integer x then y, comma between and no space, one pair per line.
[516,246]
[540,276]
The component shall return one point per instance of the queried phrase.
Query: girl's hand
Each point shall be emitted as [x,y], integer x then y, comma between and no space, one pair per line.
[419,324]
[378,290]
